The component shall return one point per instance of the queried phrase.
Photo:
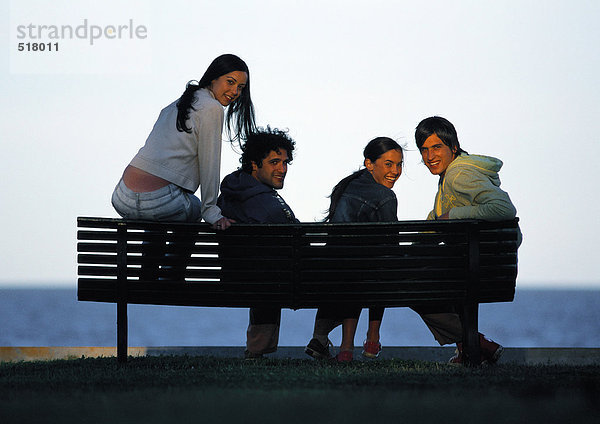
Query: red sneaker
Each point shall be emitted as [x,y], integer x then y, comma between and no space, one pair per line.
[344,356]
[458,358]
[371,349]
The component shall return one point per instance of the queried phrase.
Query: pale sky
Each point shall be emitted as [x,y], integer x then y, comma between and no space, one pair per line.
[520,80]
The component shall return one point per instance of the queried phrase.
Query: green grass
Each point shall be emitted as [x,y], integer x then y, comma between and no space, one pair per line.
[207,389]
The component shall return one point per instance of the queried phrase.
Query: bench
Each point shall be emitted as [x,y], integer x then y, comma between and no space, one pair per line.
[307,265]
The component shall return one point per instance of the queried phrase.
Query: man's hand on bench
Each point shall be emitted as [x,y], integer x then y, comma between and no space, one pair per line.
[223,223]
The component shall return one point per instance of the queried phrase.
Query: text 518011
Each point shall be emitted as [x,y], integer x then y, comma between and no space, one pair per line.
[38,47]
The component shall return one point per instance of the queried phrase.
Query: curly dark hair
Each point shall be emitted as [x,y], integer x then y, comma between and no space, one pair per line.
[261,142]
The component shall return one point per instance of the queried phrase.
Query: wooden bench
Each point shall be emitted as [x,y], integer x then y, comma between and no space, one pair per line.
[408,263]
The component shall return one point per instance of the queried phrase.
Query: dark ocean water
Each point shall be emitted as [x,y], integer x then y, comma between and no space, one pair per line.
[54,317]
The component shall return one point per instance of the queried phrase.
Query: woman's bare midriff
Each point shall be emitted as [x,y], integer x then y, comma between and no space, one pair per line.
[141,181]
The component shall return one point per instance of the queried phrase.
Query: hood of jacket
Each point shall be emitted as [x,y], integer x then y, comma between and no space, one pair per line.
[487,165]
[240,186]
[245,199]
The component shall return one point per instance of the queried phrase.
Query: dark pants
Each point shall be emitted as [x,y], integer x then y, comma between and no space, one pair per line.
[262,335]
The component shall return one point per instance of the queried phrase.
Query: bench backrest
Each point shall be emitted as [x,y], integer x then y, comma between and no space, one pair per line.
[298,265]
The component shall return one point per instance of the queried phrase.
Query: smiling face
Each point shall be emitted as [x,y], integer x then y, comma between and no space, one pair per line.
[387,168]
[436,155]
[227,88]
[273,169]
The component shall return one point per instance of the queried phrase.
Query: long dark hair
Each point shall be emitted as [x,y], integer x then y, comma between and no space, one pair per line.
[241,111]
[373,151]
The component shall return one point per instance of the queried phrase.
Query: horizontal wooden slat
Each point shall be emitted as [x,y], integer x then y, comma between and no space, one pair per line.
[315,263]
[97,247]
[441,274]
[381,251]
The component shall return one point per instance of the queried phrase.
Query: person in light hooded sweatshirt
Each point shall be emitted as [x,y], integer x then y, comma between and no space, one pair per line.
[468,188]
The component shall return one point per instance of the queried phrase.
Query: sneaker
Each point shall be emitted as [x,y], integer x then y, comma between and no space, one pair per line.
[317,350]
[344,356]
[458,358]
[489,349]
[371,349]
[252,355]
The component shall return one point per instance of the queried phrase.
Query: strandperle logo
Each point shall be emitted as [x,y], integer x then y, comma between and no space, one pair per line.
[84,31]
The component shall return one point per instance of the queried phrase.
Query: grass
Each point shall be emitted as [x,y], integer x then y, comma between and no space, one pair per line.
[207,389]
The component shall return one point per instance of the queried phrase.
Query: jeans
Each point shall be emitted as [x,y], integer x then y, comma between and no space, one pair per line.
[169,203]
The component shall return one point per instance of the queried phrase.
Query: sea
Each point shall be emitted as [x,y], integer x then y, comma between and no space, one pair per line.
[54,317]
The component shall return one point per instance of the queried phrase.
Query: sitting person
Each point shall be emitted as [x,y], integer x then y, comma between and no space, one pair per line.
[183,154]
[249,195]
[468,188]
[364,196]
[183,151]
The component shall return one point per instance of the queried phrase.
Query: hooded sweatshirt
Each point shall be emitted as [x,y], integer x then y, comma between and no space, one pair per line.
[247,200]
[470,189]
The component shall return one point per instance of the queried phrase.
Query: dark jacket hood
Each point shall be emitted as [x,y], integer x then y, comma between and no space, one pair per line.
[240,186]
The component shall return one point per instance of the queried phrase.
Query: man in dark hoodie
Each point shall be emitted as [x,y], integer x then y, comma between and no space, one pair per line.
[249,195]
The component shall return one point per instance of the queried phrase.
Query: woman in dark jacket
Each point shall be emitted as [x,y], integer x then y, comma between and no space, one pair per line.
[364,196]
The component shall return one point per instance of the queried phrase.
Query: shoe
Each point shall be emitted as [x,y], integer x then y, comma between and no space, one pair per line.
[371,349]
[317,350]
[489,349]
[458,358]
[344,356]
[252,355]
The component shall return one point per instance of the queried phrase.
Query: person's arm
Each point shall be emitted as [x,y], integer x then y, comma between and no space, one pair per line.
[388,210]
[207,129]
[487,201]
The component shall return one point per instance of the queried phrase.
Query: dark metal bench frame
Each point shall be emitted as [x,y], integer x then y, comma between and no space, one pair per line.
[409,263]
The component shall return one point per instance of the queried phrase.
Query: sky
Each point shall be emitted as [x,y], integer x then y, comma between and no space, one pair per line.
[520,80]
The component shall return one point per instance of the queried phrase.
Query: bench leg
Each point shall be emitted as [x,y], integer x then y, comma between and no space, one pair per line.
[471,350]
[122,332]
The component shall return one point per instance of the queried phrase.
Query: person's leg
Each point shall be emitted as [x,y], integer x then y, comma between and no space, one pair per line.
[444,323]
[348,332]
[446,327]
[262,335]
[172,203]
[131,205]
[326,320]
[349,324]
[375,318]
[371,346]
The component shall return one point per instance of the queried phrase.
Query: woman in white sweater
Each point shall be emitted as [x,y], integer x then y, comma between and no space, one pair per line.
[183,150]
